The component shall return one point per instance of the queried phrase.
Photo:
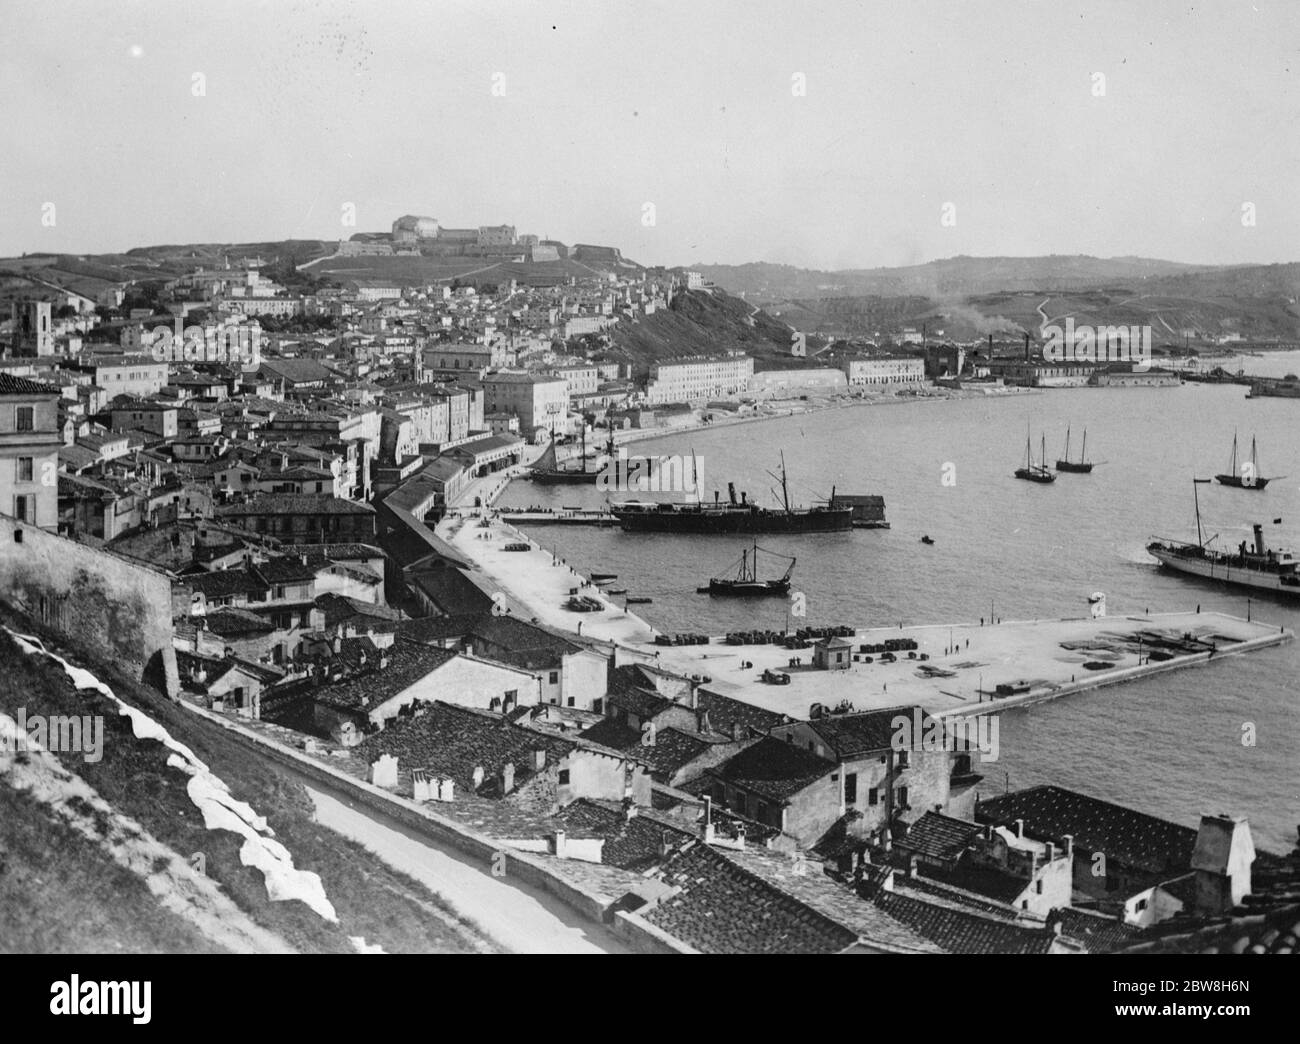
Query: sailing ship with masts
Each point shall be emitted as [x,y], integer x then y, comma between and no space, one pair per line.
[1082,466]
[1250,565]
[1032,472]
[1247,476]
[745,581]
[548,470]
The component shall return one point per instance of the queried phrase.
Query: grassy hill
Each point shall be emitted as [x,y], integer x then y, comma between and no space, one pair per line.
[701,322]
[63,885]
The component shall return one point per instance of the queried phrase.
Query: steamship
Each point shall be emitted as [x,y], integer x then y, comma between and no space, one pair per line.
[1256,566]
[733,515]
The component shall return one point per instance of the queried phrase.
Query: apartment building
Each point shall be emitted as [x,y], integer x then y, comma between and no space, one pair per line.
[883,370]
[538,402]
[29,451]
[700,379]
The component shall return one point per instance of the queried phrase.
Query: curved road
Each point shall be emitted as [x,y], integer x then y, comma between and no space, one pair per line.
[515,915]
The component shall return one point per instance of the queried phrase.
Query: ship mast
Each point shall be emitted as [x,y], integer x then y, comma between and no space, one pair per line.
[1200,539]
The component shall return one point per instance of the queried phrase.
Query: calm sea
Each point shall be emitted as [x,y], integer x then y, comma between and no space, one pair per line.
[1171,745]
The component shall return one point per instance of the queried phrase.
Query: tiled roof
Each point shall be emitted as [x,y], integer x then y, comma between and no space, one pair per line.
[774,769]
[723,908]
[1276,931]
[851,734]
[295,504]
[453,741]
[822,893]
[340,552]
[287,569]
[1134,838]
[644,703]
[435,628]
[958,931]
[407,664]
[725,712]
[230,622]
[223,583]
[298,371]
[1098,933]
[611,732]
[10,385]
[632,844]
[522,636]
[936,836]
[672,748]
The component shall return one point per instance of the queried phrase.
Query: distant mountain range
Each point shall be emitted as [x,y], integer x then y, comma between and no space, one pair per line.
[964,297]
[964,275]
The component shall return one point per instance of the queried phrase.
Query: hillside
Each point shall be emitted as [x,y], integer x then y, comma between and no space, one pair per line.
[946,277]
[970,297]
[700,322]
[97,855]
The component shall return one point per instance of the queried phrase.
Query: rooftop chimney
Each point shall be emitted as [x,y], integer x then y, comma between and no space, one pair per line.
[477,776]
[1051,852]
[911,867]
[507,777]
[1069,844]
[539,759]
[1020,828]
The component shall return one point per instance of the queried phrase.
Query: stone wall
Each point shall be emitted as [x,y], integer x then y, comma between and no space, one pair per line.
[116,608]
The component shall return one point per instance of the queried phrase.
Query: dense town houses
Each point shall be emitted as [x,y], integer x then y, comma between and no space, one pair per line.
[281,465]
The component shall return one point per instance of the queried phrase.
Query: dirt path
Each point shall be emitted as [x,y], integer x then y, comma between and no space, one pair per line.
[517,917]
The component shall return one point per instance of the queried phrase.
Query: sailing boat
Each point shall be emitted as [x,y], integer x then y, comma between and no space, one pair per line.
[547,470]
[1082,465]
[1248,476]
[1032,472]
[746,581]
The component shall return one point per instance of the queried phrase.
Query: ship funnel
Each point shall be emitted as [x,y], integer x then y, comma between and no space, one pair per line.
[1259,538]
[731,491]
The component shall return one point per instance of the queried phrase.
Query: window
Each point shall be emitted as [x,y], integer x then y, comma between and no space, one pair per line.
[25,418]
[902,797]
[1141,903]
[26,467]
[555,677]
[512,697]
[1039,886]
[22,511]
[850,788]
[873,796]
[570,702]
[598,706]
[564,777]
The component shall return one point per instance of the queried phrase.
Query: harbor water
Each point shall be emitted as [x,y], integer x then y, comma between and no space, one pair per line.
[1172,744]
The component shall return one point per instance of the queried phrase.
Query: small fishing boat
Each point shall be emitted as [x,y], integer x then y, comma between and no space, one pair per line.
[927,540]
[746,581]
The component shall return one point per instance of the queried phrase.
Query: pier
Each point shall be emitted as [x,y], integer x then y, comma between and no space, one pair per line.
[969,668]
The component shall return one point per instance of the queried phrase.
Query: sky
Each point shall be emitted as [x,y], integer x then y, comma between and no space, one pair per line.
[818,134]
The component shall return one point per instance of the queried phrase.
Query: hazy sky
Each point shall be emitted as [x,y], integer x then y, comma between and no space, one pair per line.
[603,107]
